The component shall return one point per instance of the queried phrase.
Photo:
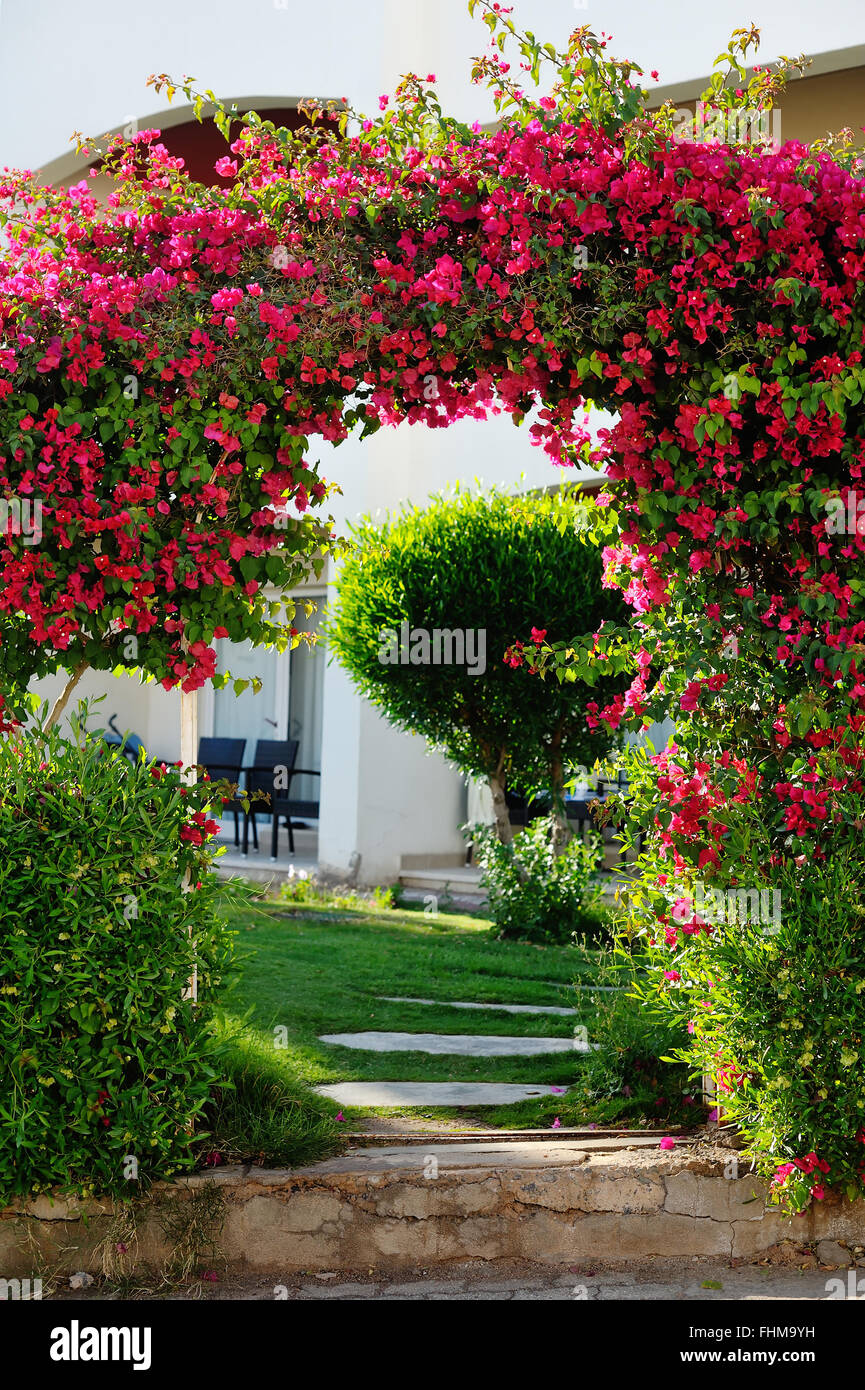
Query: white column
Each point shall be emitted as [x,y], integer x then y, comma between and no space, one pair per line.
[383,795]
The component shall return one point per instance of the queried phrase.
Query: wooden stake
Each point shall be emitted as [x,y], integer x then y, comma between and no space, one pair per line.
[189,758]
[189,733]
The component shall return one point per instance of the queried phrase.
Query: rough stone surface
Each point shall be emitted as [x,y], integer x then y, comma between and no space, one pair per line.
[829,1252]
[521,1281]
[733,1199]
[502,1155]
[457,1044]
[527,1202]
[559,1190]
[449,1093]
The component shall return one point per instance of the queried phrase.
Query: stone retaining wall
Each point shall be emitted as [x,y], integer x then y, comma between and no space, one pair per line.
[378,1209]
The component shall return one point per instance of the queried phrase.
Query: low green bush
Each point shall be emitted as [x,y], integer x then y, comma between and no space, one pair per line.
[420,589]
[629,1075]
[534,893]
[108,907]
[772,991]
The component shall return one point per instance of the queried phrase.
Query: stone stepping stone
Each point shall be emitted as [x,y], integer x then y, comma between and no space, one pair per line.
[459,1004]
[460,1044]
[372,1094]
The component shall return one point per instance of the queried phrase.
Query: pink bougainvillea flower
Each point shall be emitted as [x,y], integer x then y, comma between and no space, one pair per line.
[219,340]
[667,1143]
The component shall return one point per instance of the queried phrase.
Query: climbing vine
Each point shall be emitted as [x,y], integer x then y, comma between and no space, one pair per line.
[170,363]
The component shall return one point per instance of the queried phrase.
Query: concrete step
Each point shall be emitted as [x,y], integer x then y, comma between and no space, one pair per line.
[591,1199]
[465,883]
[459,881]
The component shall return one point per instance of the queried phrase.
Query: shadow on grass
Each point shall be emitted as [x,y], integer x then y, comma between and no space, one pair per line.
[263,1117]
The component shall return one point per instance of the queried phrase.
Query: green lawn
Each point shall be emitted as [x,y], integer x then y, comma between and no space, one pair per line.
[309,969]
[314,971]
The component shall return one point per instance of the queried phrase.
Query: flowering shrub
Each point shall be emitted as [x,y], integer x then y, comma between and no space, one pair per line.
[414,269]
[776,1014]
[537,889]
[107,1061]
[166,360]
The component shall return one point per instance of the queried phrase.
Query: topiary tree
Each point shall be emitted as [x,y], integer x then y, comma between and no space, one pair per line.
[427,605]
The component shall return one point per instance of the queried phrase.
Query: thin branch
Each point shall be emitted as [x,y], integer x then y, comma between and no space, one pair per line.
[62,699]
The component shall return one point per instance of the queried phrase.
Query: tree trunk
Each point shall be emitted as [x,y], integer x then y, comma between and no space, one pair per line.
[63,698]
[561,825]
[504,829]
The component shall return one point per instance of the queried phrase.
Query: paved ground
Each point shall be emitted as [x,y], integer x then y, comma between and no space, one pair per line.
[523,1152]
[496,1008]
[649,1281]
[381,1094]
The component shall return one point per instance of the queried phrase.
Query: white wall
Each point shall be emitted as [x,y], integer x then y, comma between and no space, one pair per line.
[143,709]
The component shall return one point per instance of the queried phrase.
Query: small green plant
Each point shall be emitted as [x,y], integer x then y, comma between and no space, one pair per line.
[302,890]
[192,1224]
[262,1115]
[109,912]
[628,1075]
[535,893]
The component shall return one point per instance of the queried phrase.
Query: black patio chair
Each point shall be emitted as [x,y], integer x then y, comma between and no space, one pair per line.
[616,786]
[271,772]
[522,810]
[222,760]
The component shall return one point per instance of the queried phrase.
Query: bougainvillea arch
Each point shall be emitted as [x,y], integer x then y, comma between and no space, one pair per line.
[167,362]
